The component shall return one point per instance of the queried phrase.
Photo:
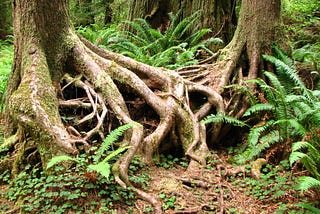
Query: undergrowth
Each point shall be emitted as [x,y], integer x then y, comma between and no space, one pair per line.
[172,48]
[86,186]
[6,57]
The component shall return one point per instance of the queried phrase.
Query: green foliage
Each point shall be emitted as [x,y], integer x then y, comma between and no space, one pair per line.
[84,186]
[66,191]
[6,58]
[302,18]
[59,159]
[169,202]
[307,182]
[310,209]
[310,55]
[274,183]
[309,155]
[171,49]
[291,110]
[101,166]
[98,35]
[222,118]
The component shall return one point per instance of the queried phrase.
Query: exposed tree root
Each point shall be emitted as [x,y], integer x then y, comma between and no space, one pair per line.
[99,81]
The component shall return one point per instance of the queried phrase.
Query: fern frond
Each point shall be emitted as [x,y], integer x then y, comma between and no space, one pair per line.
[307,182]
[174,18]
[293,123]
[141,27]
[103,168]
[290,74]
[256,132]
[111,138]
[259,108]
[282,56]
[182,27]
[116,153]
[195,38]
[313,151]
[276,83]
[266,89]
[296,156]
[308,162]
[222,118]
[265,142]
[243,89]
[309,207]
[59,159]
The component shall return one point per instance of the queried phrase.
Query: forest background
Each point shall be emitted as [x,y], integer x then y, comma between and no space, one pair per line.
[270,165]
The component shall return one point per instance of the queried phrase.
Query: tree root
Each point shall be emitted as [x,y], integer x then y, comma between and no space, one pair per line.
[102,79]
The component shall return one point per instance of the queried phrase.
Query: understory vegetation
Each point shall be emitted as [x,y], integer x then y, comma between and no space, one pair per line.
[281,127]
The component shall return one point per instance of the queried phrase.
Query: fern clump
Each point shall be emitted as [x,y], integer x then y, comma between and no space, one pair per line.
[102,155]
[290,110]
[172,48]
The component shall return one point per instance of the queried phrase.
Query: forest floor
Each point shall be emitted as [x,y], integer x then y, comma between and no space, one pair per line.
[217,188]
[223,188]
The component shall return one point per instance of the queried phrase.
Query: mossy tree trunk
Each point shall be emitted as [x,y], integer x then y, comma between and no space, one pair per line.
[57,75]
[217,15]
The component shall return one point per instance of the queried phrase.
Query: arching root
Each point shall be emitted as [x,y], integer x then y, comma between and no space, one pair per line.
[101,74]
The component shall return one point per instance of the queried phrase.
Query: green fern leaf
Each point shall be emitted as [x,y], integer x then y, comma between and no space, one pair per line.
[309,207]
[182,27]
[259,108]
[59,159]
[256,132]
[282,56]
[244,89]
[293,123]
[307,182]
[102,167]
[296,156]
[111,138]
[265,142]
[276,83]
[196,38]
[116,153]
[222,118]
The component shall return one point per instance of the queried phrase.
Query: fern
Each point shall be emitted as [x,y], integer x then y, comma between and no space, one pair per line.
[222,118]
[256,132]
[307,182]
[58,159]
[310,159]
[265,142]
[246,91]
[110,139]
[170,49]
[260,107]
[101,166]
[293,110]
[309,207]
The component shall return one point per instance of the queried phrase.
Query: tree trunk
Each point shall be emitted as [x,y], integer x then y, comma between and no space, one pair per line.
[218,15]
[108,12]
[257,29]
